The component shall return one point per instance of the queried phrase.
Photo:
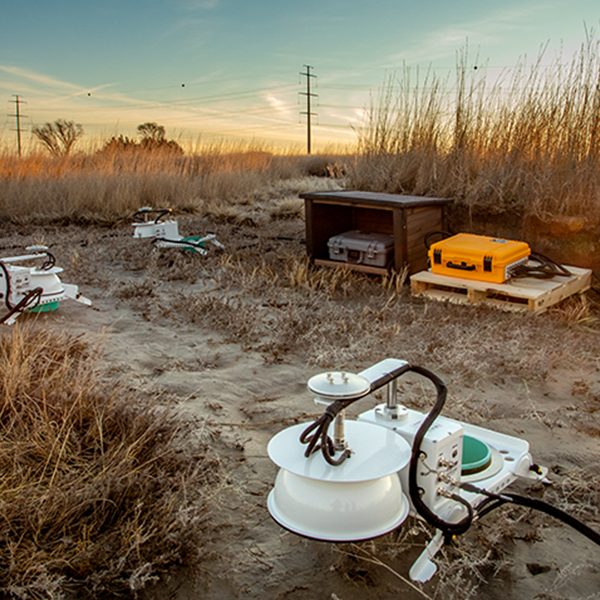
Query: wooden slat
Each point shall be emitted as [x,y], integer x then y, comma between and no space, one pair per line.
[352,266]
[417,241]
[419,222]
[375,199]
[417,258]
[422,216]
[400,248]
[370,221]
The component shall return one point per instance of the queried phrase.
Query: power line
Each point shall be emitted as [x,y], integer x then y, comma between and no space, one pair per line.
[242,95]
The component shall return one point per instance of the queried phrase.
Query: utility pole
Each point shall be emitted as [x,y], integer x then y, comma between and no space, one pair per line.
[308,95]
[18,116]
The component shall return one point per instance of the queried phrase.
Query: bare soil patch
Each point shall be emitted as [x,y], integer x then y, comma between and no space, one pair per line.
[234,336]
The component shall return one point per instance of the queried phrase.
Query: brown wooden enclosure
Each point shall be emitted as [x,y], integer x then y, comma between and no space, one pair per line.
[408,218]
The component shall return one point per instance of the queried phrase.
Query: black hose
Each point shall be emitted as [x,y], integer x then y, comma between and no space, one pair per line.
[8,290]
[49,263]
[320,440]
[27,301]
[488,505]
[494,501]
[557,513]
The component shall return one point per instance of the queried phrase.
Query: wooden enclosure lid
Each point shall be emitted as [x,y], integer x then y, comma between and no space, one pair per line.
[375,198]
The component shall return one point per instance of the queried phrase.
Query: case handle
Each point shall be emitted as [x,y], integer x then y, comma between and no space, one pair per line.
[461,267]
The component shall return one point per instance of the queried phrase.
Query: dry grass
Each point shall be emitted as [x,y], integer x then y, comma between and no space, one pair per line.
[107,187]
[528,143]
[277,303]
[101,492]
[462,567]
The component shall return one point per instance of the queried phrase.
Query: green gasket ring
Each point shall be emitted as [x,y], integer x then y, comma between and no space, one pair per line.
[476,457]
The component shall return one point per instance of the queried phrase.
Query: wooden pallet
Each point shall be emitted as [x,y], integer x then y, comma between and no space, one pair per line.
[522,295]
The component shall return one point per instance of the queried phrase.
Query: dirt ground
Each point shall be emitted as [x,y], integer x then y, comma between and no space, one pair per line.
[241,362]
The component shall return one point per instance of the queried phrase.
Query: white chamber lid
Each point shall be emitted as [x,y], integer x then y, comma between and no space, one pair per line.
[338,385]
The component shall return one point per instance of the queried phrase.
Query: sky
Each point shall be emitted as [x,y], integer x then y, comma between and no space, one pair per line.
[233,69]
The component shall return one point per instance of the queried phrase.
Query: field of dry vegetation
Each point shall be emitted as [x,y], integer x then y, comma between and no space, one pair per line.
[133,434]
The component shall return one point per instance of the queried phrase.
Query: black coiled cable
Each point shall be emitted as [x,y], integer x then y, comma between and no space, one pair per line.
[543,268]
[49,262]
[316,436]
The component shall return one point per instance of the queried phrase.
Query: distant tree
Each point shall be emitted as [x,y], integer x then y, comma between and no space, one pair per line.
[59,137]
[152,132]
[153,138]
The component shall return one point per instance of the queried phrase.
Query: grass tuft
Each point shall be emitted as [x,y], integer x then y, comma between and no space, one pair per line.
[98,495]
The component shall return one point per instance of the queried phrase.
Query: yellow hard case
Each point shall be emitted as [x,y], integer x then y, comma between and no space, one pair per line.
[477,257]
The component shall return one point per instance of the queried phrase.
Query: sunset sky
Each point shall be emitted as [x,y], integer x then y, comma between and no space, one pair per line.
[232,67]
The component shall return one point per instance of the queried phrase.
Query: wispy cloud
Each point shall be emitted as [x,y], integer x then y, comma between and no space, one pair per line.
[53,89]
[32,77]
[276,103]
[498,26]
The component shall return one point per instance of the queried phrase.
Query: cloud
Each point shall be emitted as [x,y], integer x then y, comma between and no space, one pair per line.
[49,88]
[32,77]
[492,29]
[276,104]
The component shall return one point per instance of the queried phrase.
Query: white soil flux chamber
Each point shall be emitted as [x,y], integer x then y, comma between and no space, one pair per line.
[365,479]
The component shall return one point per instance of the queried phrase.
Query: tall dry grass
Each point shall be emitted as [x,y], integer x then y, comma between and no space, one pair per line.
[105,187]
[98,494]
[528,142]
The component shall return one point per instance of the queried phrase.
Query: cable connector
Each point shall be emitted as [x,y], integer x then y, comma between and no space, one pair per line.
[445,478]
[469,487]
[444,462]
